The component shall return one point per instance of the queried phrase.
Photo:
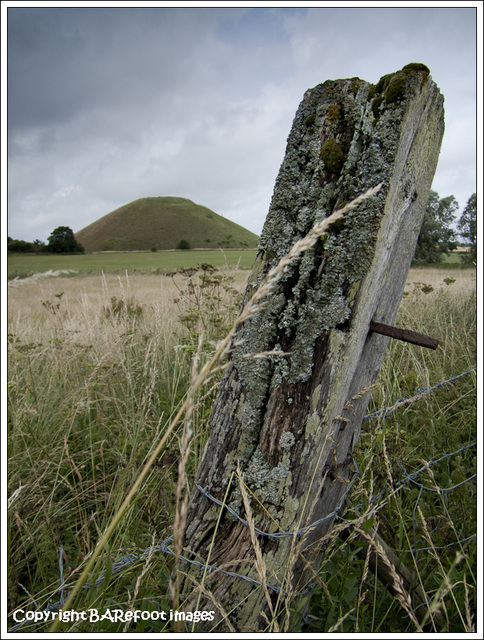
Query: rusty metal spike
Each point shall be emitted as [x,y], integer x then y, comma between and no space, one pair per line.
[404,334]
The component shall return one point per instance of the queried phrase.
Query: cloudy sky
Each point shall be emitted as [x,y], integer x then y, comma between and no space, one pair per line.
[107,105]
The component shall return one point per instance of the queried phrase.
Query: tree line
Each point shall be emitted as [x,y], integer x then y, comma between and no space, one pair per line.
[61,240]
[438,236]
[439,233]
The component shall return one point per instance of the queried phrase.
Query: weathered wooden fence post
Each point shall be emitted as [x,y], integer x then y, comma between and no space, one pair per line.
[290,420]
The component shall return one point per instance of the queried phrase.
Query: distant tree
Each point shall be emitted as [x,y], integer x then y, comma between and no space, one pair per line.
[467,226]
[20,246]
[62,240]
[437,237]
[184,245]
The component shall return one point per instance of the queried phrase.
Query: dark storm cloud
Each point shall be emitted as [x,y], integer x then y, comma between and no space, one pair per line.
[109,105]
[63,62]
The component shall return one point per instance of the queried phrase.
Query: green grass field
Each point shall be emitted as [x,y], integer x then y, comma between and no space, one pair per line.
[23,266]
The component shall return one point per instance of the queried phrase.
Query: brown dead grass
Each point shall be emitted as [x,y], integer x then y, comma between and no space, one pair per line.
[465,280]
[84,297]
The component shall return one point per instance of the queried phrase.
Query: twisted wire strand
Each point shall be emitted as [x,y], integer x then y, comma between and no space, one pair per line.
[420,393]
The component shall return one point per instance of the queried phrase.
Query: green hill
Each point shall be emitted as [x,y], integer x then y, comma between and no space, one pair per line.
[163,223]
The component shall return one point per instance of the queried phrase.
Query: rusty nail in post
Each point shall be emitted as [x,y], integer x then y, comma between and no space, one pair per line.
[404,334]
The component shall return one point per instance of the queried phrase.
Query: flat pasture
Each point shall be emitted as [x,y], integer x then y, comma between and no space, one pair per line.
[23,266]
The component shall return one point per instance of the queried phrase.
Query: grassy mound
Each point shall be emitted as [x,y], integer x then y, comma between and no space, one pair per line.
[163,223]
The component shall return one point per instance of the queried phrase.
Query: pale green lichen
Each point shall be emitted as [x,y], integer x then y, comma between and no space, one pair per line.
[313,424]
[286,522]
[266,482]
[317,292]
[287,440]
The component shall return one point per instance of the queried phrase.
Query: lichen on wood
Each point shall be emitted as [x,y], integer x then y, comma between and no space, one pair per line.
[290,420]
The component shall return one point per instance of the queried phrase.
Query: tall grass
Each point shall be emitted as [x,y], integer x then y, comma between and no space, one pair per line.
[98,367]
[436,512]
[97,370]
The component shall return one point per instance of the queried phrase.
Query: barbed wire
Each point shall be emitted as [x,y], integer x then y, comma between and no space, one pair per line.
[444,489]
[409,477]
[163,547]
[414,549]
[279,534]
[420,393]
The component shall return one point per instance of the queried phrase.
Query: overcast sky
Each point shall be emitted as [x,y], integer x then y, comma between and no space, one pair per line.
[107,105]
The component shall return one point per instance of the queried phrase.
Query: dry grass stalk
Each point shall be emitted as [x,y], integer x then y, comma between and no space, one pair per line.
[361,591]
[398,587]
[471,628]
[209,595]
[288,582]
[259,560]
[328,438]
[386,460]
[15,494]
[272,278]
[349,403]
[147,565]
[446,586]
[339,622]
[181,491]
[296,546]
[277,272]
[211,545]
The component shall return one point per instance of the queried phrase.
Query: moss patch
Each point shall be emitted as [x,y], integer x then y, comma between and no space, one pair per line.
[333,156]
[395,90]
[375,106]
[333,113]
[355,85]
[392,87]
[310,120]
[416,66]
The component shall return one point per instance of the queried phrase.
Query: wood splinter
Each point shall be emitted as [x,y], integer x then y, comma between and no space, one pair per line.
[404,334]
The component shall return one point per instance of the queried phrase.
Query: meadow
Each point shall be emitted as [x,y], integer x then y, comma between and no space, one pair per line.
[23,266]
[100,364]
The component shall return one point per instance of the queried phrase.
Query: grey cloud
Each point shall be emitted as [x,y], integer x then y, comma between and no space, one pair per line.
[61,61]
[109,105]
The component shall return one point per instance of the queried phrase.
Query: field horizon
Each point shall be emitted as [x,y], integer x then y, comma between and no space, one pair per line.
[22,266]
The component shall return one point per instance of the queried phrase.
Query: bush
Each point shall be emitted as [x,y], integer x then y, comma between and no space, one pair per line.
[20,246]
[184,245]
